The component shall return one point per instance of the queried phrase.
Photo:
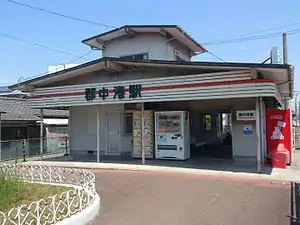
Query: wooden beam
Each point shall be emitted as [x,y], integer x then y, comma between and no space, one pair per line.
[253,73]
[163,33]
[130,31]
[100,42]
[113,67]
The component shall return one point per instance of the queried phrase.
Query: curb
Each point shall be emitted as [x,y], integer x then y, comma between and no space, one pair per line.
[283,177]
[152,168]
[85,216]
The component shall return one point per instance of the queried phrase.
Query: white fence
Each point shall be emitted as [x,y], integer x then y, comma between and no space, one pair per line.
[54,208]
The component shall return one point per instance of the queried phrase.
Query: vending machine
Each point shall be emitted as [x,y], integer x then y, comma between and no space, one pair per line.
[172,139]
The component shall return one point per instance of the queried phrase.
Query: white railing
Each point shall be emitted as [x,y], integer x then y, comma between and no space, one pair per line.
[54,208]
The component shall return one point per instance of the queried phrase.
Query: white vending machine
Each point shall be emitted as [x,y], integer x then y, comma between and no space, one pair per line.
[172,139]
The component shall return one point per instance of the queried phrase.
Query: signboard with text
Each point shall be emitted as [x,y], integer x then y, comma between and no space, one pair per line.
[245,115]
[118,92]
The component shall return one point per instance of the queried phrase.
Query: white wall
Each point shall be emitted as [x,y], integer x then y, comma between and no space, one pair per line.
[83,130]
[244,145]
[157,46]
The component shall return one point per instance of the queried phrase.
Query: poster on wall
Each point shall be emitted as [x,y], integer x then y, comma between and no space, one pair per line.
[247,129]
[279,133]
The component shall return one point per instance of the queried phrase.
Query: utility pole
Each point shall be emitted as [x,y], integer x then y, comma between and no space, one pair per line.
[285,61]
[296,108]
[285,57]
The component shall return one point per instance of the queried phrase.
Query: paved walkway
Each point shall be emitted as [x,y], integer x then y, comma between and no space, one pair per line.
[180,193]
[217,169]
[155,198]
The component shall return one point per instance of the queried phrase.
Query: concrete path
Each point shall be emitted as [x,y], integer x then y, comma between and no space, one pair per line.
[156,198]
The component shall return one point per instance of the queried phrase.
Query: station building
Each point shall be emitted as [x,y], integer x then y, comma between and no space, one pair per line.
[146,98]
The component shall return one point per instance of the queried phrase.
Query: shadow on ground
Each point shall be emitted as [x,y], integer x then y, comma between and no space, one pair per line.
[194,163]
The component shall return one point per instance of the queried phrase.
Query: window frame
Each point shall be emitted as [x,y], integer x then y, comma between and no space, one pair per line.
[125,115]
[132,57]
[204,122]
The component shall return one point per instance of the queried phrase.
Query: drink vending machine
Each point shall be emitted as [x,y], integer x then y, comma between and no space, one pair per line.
[172,139]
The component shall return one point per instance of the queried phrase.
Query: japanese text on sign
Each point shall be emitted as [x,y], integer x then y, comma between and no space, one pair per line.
[245,115]
[118,92]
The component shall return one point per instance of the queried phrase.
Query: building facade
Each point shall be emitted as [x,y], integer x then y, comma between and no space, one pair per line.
[113,101]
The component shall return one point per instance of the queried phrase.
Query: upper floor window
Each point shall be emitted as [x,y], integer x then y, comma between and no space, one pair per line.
[141,56]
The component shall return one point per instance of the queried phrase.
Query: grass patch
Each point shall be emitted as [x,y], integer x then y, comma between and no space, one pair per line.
[15,192]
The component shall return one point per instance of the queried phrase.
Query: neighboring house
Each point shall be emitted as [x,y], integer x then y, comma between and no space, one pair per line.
[20,122]
[149,68]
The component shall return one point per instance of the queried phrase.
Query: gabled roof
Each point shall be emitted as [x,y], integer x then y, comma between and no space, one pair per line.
[170,31]
[283,75]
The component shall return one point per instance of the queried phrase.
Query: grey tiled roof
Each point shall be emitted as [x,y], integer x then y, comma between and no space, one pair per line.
[52,113]
[18,109]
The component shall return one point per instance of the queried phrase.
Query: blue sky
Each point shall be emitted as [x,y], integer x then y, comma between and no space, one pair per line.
[205,20]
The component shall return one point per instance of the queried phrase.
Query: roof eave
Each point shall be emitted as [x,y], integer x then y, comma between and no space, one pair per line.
[196,51]
[157,63]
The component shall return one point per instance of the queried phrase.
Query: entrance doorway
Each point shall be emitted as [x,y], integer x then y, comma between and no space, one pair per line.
[113,130]
[212,135]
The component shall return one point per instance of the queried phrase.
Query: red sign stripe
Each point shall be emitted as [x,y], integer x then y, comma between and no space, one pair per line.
[156,88]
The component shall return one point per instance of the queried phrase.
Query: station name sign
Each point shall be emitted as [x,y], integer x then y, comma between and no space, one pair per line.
[245,115]
[119,92]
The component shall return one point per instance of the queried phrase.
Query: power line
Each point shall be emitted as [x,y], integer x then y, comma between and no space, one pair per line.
[54,70]
[38,45]
[60,14]
[215,56]
[259,31]
[250,38]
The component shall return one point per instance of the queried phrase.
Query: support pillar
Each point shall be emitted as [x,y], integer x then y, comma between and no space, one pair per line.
[98,134]
[41,132]
[70,131]
[263,141]
[258,134]
[143,133]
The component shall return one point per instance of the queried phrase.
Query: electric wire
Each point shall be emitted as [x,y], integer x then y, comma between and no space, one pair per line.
[38,45]
[233,39]
[258,31]
[60,14]
[55,70]
[209,52]
[251,38]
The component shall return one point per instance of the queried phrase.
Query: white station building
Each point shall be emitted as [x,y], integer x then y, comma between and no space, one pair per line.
[146,98]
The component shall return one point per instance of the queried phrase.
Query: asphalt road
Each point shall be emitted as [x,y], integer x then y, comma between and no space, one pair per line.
[144,198]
